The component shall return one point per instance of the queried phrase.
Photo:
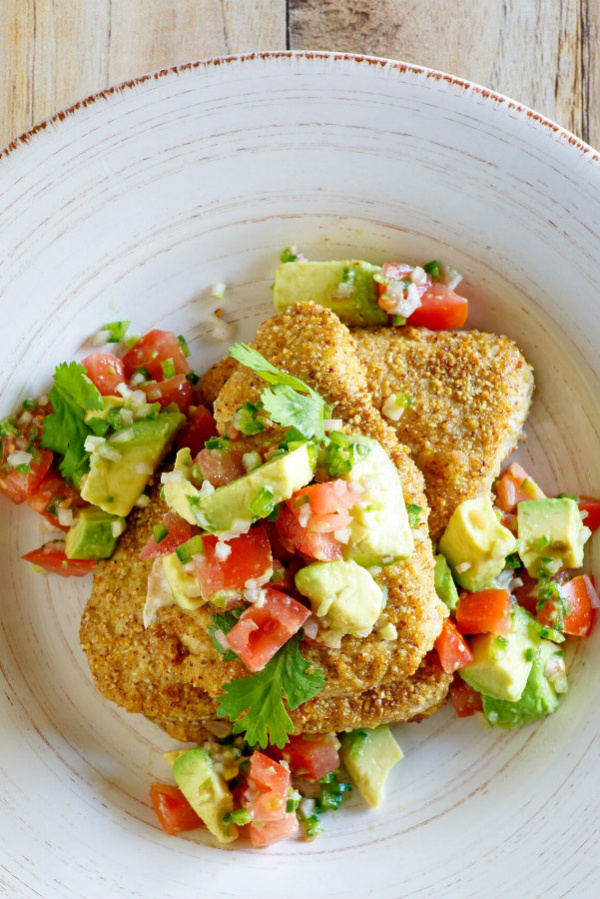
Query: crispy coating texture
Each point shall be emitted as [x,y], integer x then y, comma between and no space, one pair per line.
[216,377]
[411,699]
[471,395]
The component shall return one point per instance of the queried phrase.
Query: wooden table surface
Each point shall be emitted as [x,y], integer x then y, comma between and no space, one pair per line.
[543,53]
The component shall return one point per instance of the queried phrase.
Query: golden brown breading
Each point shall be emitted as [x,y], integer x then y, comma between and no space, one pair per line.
[471,395]
[215,378]
[411,699]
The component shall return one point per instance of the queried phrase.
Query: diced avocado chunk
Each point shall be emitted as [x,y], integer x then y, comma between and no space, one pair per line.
[538,699]
[109,403]
[444,583]
[475,544]
[380,531]
[227,511]
[552,535]
[115,484]
[184,586]
[93,535]
[342,595]
[369,755]
[347,287]
[176,492]
[206,791]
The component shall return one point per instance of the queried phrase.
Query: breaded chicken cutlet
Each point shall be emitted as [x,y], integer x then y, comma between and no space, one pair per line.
[173,670]
[471,392]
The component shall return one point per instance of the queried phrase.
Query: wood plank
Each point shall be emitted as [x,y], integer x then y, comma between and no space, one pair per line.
[16,67]
[542,54]
[147,36]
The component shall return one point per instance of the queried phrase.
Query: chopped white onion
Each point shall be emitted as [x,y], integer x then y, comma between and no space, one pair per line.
[388,632]
[154,394]
[222,550]
[100,338]
[311,628]
[117,528]
[142,468]
[171,477]
[462,567]
[43,400]
[392,409]
[108,452]
[126,416]
[592,592]
[451,277]
[418,275]
[65,517]
[142,501]
[19,457]
[307,807]
[124,436]
[123,389]
[218,290]
[25,418]
[515,584]
[137,379]
[304,515]
[207,488]
[344,291]
[221,330]
[342,535]
[332,424]
[252,460]
[92,443]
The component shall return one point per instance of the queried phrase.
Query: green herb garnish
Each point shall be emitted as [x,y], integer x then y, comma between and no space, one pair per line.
[116,331]
[245,420]
[168,368]
[261,505]
[160,532]
[414,513]
[184,345]
[432,269]
[65,430]
[288,255]
[224,623]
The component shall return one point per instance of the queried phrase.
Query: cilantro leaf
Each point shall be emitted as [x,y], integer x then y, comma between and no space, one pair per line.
[290,402]
[255,704]
[65,430]
[224,623]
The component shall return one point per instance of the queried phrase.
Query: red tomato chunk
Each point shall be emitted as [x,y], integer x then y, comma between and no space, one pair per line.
[465,699]
[52,558]
[176,390]
[52,494]
[262,630]
[178,532]
[514,486]
[151,351]
[295,537]
[220,466]
[440,309]
[105,371]
[266,798]
[590,512]
[199,428]
[579,594]
[452,648]
[19,486]
[249,559]
[487,611]
[172,809]
[310,755]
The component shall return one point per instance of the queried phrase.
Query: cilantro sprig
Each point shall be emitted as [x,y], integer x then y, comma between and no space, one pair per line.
[288,401]
[255,704]
[65,430]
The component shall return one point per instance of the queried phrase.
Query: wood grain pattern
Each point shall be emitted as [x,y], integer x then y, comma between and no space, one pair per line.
[54,52]
[542,54]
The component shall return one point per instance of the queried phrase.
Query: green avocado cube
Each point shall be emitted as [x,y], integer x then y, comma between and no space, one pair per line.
[184,587]
[93,535]
[347,287]
[551,534]
[345,597]
[369,755]
[500,665]
[476,544]
[206,791]
[538,699]
[114,484]
[444,582]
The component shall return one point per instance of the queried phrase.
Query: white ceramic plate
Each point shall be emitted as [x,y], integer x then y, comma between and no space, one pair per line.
[132,205]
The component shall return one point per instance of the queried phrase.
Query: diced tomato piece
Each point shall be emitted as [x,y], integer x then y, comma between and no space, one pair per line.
[249,559]
[172,390]
[464,698]
[172,809]
[590,511]
[52,494]
[262,630]
[19,486]
[178,531]
[51,556]
[514,486]
[578,594]
[310,755]
[484,612]
[267,774]
[151,351]
[322,546]
[199,428]
[220,466]
[325,498]
[398,271]
[440,309]
[266,834]
[527,595]
[106,371]
[452,648]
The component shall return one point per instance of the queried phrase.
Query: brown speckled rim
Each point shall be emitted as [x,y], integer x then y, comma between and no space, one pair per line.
[587,152]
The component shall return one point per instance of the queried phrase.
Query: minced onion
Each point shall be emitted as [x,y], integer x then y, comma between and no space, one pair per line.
[100,337]
[342,535]
[222,550]
[251,460]
[171,477]
[221,330]
[142,468]
[592,592]
[462,567]
[117,528]
[92,443]
[137,379]
[218,290]
[19,457]
[25,418]
[332,424]
[108,452]
[65,517]
[451,277]
[418,275]
[142,501]
[124,436]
